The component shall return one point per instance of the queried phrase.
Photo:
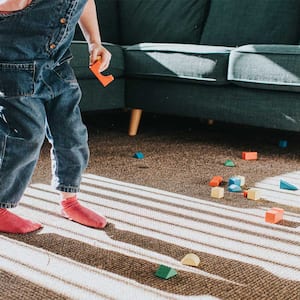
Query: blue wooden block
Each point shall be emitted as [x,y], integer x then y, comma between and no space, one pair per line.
[234,180]
[287,186]
[138,155]
[283,143]
[234,188]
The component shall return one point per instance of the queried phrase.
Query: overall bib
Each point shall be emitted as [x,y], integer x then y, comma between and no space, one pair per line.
[39,95]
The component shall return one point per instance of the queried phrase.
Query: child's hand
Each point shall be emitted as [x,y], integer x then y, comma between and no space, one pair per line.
[97,51]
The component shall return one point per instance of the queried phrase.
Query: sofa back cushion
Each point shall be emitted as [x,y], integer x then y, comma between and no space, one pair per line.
[240,22]
[167,21]
[107,11]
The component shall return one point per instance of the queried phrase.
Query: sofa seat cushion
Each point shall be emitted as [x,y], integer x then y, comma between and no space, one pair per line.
[80,62]
[178,61]
[275,67]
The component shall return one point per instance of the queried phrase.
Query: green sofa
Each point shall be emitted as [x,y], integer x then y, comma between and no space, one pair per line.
[228,60]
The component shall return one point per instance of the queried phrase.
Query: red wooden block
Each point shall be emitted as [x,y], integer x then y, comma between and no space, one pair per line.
[216,181]
[274,215]
[104,79]
[249,155]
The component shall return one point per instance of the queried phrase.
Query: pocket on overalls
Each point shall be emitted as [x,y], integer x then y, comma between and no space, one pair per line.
[65,72]
[16,79]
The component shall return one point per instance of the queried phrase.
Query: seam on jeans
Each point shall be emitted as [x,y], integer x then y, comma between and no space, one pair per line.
[3,151]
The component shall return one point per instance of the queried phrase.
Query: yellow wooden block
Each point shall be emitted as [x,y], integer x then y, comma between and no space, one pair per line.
[191,259]
[253,194]
[217,192]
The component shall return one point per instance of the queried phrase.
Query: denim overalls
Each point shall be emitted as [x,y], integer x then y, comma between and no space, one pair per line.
[39,96]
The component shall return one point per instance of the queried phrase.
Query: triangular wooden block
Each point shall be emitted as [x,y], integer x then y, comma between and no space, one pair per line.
[138,155]
[165,272]
[191,259]
[229,163]
[287,186]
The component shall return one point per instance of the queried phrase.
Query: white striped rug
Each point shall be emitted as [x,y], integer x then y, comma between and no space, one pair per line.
[200,225]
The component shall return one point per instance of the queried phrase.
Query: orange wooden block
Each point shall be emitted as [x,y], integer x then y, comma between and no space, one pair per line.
[104,79]
[249,155]
[216,181]
[274,215]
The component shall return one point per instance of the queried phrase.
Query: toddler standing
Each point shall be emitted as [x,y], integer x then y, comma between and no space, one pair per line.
[39,96]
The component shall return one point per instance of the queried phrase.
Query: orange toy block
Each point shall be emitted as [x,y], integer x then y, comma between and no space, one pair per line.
[274,215]
[104,79]
[249,155]
[216,181]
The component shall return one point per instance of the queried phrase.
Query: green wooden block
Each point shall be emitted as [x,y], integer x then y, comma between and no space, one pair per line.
[229,163]
[165,272]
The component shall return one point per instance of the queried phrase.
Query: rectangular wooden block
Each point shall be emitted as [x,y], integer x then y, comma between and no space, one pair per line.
[253,194]
[274,215]
[216,181]
[249,155]
[217,192]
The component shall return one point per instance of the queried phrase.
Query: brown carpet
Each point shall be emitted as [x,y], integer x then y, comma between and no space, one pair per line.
[181,156]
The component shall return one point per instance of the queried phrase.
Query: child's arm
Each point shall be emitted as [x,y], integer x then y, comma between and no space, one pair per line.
[89,25]
[13,5]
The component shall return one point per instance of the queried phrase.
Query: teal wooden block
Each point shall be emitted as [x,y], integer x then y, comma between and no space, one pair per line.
[138,155]
[234,180]
[165,272]
[282,143]
[287,186]
[234,188]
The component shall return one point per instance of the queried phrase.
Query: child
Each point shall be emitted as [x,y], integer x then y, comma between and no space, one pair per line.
[39,96]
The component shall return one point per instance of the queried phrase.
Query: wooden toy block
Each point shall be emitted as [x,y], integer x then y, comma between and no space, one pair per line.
[138,155]
[217,192]
[216,181]
[234,188]
[165,272]
[191,259]
[242,179]
[249,155]
[274,215]
[234,180]
[253,194]
[287,186]
[229,163]
[282,143]
[104,79]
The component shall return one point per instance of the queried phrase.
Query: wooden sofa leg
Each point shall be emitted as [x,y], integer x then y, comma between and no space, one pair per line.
[135,119]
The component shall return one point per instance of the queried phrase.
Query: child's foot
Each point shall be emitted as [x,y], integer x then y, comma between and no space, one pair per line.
[74,211]
[11,223]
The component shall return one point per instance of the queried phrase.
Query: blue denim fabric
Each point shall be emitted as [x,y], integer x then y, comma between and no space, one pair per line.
[39,95]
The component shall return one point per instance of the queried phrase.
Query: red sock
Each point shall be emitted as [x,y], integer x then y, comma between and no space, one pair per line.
[74,211]
[11,223]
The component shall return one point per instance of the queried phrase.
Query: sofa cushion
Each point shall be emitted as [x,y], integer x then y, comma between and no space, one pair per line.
[107,11]
[266,66]
[80,61]
[241,22]
[178,61]
[162,21]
